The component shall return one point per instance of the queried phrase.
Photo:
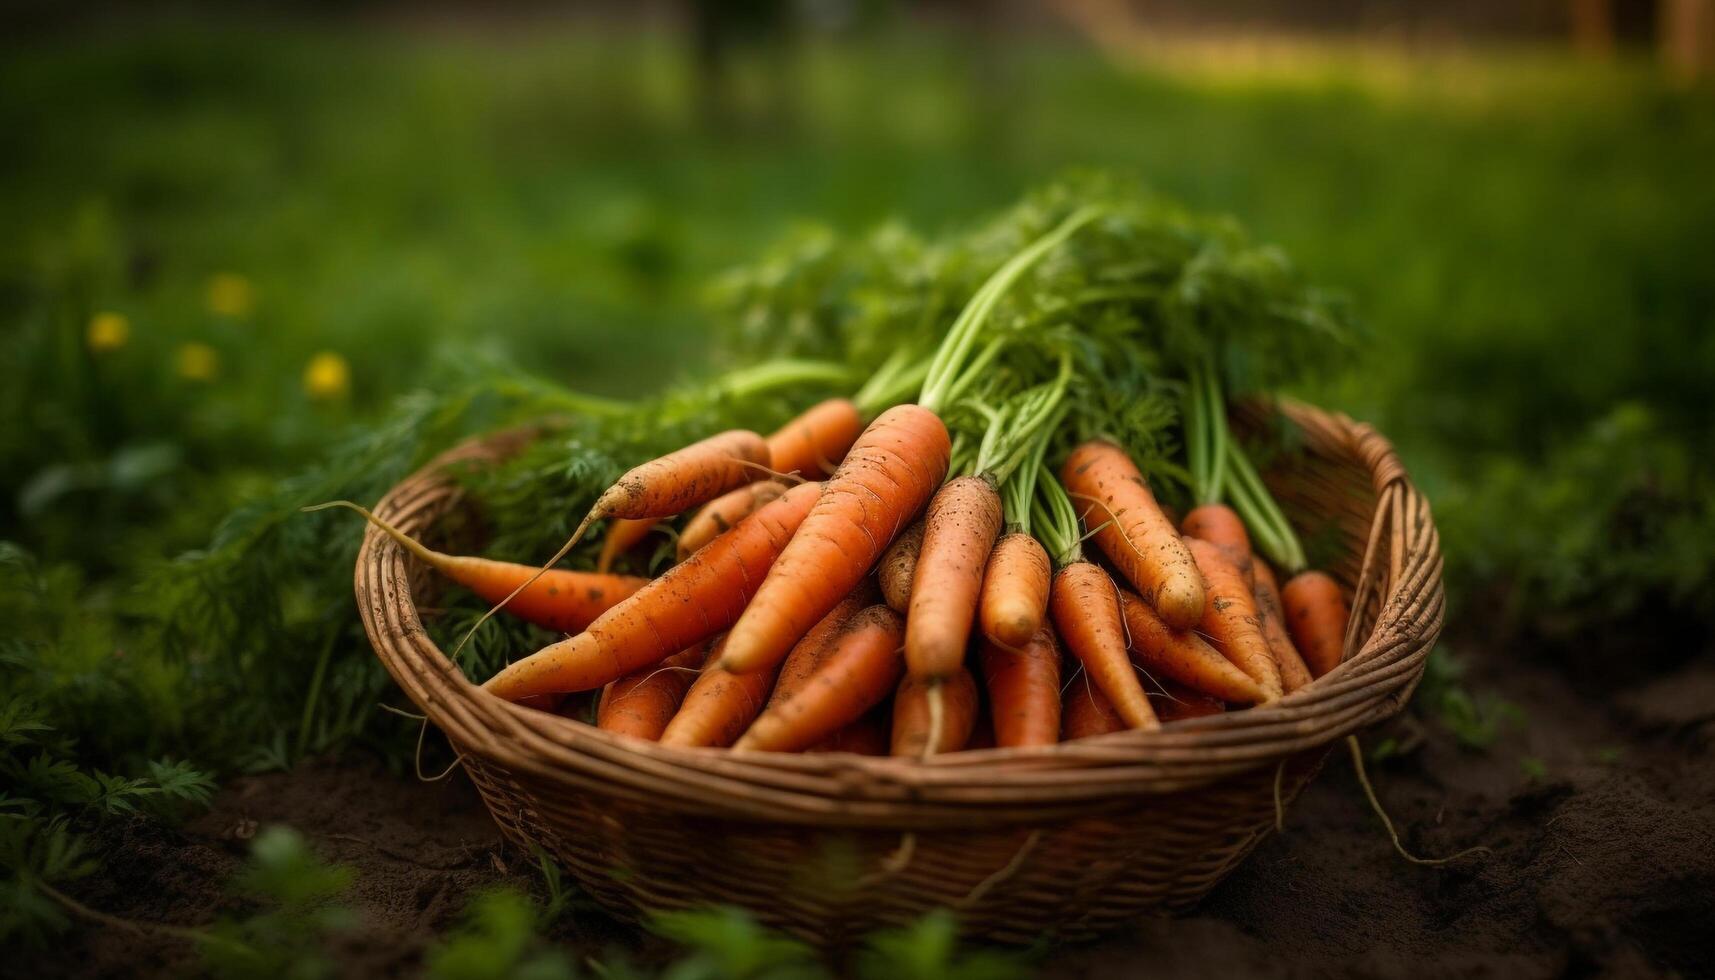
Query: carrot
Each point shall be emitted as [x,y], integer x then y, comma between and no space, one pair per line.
[642,702]
[1015,590]
[662,487]
[1133,532]
[691,601]
[720,514]
[866,736]
[865,664]
[686,477]
[1087,712]
[1229,617]
[542,702]
[898,565]
[1086,610]
[622,536]
[809,653]
[913,724]
[1316,613]
[1177,702]
[1294,674]
[886,478]
[1183,655]
[559,599]
[958,534]
[814,443]
[1221,526]
[719,706]
[1024,691]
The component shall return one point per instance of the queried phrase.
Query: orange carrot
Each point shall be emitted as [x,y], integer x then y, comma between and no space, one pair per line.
[866,663]
[1177,702]
[1230,618]
[720,514]
[684,478]
[559,599]
[898,565]
[913,722]
[691,601]
[1015,590]
[542,702]
[622,536]
[663,487]
[1135,535]
[1221,526]
[814,443]
[642,702]
[958,534]
[1086,610]
[1088,712]
[1024,691]
[1294,674]
[809,654]
[1316,613]
[719,706]
[866,736]
[1183,655]
[886,478]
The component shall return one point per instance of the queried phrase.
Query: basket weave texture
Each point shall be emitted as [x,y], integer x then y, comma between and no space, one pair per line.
[1065,840]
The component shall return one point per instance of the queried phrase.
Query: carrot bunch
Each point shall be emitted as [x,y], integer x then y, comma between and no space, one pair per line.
[973,550]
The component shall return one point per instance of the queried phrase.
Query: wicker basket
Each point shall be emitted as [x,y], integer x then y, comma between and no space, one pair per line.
[1065,840]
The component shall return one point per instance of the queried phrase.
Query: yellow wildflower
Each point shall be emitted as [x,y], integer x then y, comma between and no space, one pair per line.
[230,294]
[327,376]
[108,331]
[198,362]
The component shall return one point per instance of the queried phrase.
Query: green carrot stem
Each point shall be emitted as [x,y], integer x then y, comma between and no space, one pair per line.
[782,373]
[951,359]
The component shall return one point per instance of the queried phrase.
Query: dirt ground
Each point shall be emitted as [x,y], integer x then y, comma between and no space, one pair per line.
[1598,808]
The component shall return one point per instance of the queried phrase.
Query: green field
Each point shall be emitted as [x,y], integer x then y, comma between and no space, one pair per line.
[1528,241]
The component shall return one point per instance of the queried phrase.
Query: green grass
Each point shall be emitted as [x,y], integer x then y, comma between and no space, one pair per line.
[1526,238]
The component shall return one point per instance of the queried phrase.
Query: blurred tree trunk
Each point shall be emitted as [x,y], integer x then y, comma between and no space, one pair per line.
[1593,28]
[1687,38]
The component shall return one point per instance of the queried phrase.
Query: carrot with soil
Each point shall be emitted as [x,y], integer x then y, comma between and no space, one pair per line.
[1024,691]
[958,533]
[886,478]
[719,706]
[1087,712]
[1230,619]
[691,601]
[814,443]
[1313,604]
[622,536]
[865,664]
[1086,611]
[641,704]
[720,514]
[1316,613]
[662,487]
[812,651]
[1116,504]
[898,565]
[559,599]
[914,720]
[1184,656]
[1294,673]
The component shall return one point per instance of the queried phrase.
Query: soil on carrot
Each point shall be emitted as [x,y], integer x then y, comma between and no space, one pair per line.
[1598,805]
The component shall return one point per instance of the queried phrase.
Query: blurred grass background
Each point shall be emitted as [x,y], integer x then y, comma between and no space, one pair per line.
[234,244]
[1527,234]
[231,244]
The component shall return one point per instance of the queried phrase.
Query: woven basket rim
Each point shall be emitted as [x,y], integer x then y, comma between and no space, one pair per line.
[1383,662]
